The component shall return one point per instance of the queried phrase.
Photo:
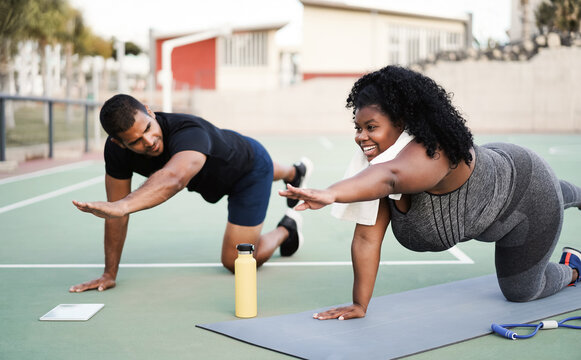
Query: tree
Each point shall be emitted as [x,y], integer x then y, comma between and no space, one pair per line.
[131,48]
[88,44]
[48,22]
[14,15]
[568,15]
[49,26]
[559,15]
[545,17]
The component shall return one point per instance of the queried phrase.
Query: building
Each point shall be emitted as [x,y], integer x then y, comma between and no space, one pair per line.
[522,19]
[244,58]
[338,40]
[341,39]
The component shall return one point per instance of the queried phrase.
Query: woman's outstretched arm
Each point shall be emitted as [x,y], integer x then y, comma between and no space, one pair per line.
[411,172]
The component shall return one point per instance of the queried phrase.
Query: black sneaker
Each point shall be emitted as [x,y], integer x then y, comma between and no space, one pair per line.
[304,168]
[292,221]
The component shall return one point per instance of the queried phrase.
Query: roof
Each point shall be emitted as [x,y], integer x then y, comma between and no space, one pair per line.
[347,5]
[234,28]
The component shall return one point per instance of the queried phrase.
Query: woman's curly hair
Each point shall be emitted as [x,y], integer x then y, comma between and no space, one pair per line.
[420,106]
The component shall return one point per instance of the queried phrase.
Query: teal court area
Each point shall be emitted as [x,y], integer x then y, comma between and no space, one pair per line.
[171,280]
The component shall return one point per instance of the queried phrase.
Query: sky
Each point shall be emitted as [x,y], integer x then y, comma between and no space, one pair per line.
[131,20]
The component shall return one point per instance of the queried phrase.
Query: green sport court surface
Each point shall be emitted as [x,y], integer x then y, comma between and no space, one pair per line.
[170,279]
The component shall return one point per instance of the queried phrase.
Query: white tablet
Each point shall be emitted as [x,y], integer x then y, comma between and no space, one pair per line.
[72,312]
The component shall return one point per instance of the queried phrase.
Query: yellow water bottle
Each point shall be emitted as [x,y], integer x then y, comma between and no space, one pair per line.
[245,281]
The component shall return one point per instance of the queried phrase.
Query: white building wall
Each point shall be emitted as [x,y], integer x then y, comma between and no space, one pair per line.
[541,95]
[254,77]
[337,41]
[349,41]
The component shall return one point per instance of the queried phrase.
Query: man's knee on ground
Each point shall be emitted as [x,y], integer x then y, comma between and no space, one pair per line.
[228,264]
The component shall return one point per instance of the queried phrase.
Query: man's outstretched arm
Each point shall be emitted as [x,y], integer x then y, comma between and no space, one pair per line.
[115,233]
[159,187]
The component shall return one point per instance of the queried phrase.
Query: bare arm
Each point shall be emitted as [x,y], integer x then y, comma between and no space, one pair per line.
[365,253]
[412,171]
[115,233]
[116,228]
[159,187]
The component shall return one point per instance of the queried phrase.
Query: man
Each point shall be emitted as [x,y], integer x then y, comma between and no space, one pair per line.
[176,151]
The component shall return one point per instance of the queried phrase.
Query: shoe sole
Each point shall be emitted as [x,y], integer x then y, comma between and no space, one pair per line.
[309,170]
[299,221]
[572,251]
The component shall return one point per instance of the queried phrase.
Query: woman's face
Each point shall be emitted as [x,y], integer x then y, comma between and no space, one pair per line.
[374,131]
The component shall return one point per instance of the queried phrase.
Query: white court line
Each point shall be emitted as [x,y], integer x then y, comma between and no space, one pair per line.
[564,149]
[461,257]
[327,144]
[52,194]
[53,170]
[459,254]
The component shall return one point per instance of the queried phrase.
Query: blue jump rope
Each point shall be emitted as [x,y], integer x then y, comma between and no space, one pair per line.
[503,330]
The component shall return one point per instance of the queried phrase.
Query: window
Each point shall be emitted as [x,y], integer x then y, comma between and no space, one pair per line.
[393,46]
[413,45]
[410,44]
[245,49]
[433,42]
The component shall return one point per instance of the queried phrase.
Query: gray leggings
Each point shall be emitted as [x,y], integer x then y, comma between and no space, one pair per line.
[512,199]
[535,217]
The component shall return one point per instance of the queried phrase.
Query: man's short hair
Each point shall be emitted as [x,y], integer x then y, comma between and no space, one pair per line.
[118,113]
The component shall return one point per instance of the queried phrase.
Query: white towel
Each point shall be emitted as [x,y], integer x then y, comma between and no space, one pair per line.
[365,212]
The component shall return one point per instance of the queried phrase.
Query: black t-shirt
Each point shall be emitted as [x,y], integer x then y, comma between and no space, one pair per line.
[229,155]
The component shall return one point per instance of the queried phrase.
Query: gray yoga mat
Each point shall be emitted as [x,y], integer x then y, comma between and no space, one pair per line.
[400,324]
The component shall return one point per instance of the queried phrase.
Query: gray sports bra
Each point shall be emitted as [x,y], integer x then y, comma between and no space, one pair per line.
[438,222]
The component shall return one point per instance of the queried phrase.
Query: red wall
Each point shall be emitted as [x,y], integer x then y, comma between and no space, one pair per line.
[309,76]
[193,64]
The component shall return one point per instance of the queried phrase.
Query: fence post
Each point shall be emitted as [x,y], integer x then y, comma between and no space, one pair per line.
[2,130]
[86,128]
[50,131]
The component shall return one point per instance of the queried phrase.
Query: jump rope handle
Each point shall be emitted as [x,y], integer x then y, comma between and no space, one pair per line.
[502,331]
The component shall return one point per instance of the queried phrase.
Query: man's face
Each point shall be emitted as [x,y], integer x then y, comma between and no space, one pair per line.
[145,136]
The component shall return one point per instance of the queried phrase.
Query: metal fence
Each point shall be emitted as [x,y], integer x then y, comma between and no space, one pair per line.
[50,101]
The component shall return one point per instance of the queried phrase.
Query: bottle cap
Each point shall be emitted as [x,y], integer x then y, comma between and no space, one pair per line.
[245,247]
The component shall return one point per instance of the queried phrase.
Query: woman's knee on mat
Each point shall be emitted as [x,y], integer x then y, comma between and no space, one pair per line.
[521,288]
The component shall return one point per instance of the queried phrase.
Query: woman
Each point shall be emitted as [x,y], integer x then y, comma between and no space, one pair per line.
[452,191]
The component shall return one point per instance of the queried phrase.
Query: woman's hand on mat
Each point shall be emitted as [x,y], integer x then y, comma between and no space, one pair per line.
[342,313]
[103,283]
[102,209]
[312,198]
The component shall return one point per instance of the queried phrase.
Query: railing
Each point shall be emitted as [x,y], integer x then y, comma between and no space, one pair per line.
[50,101]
